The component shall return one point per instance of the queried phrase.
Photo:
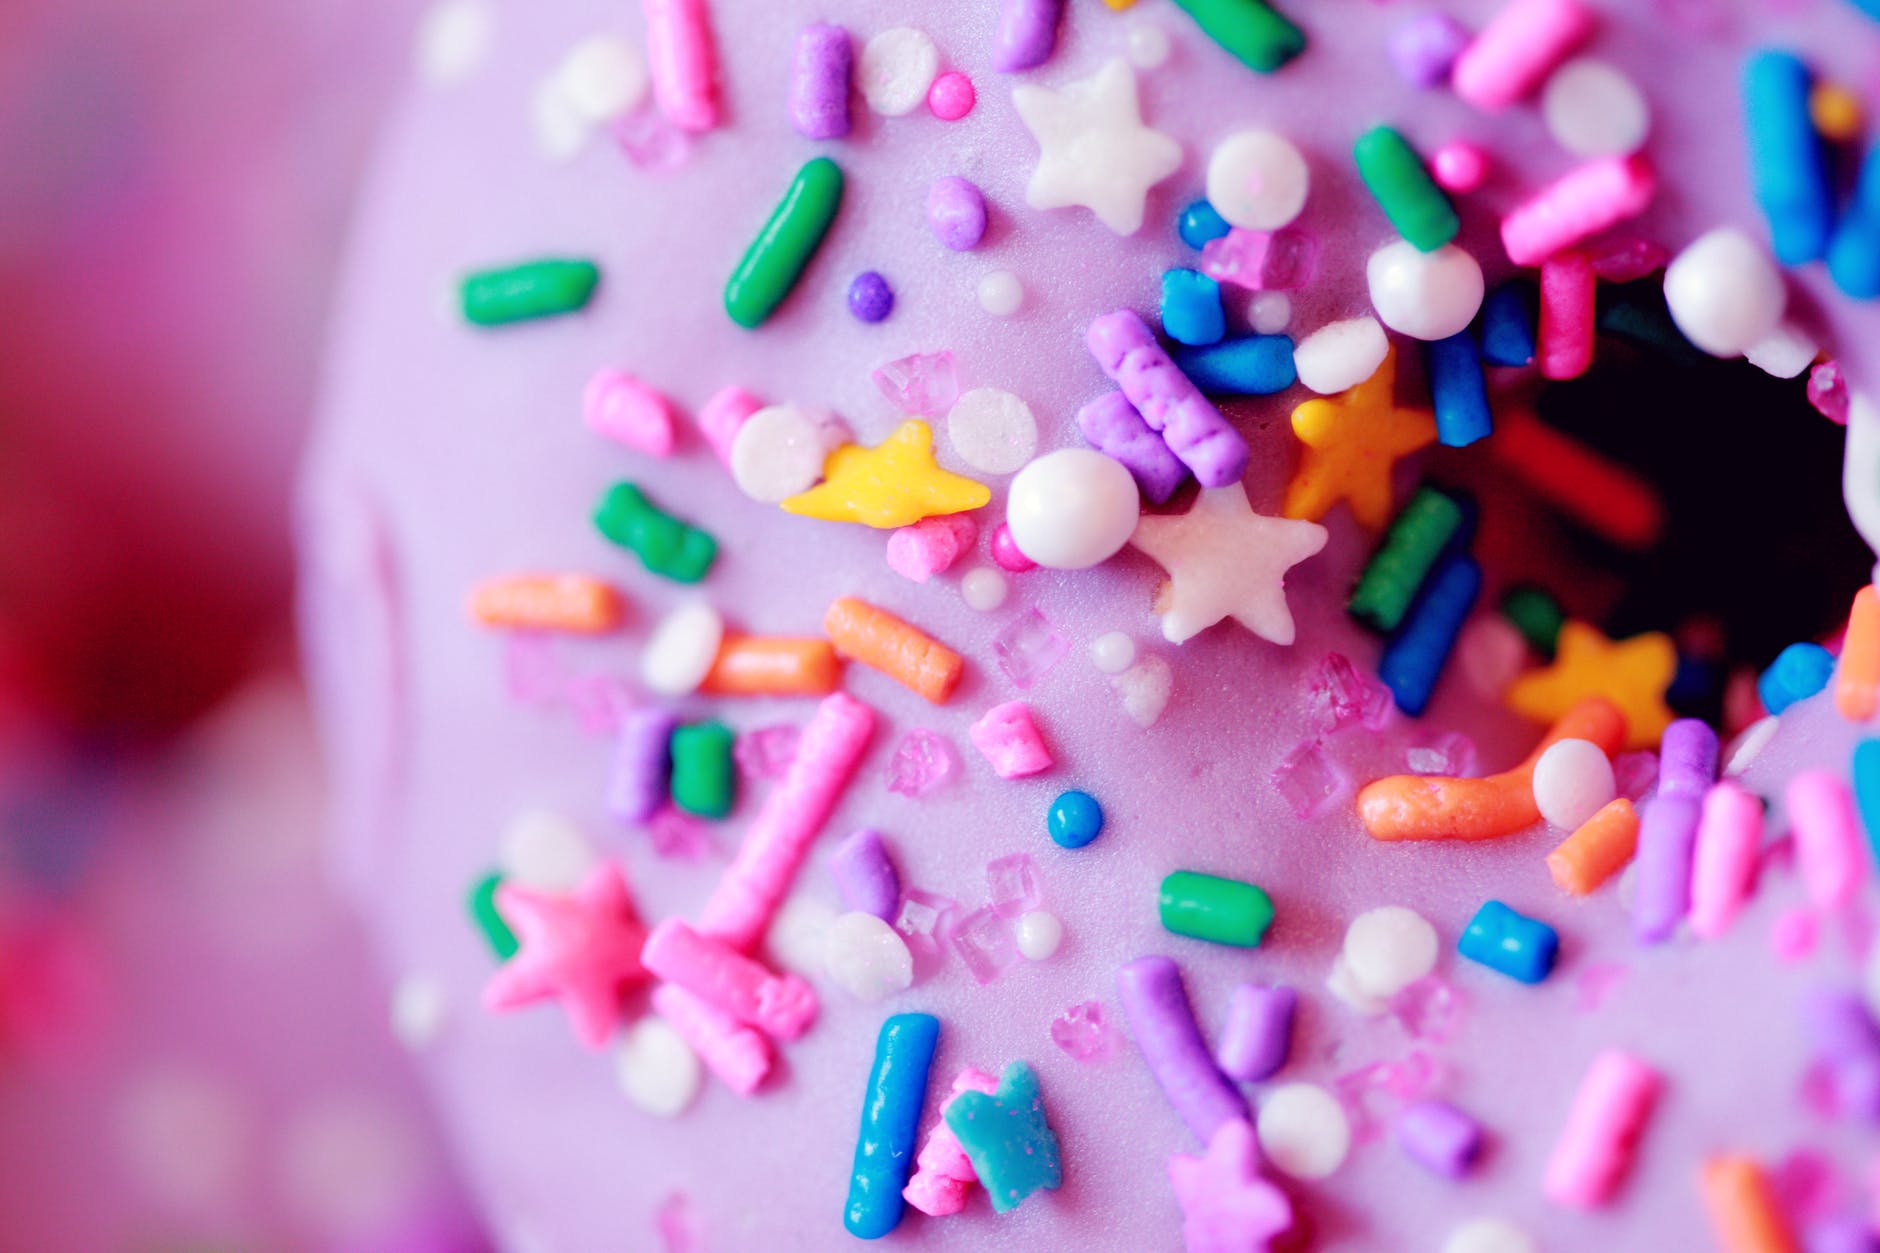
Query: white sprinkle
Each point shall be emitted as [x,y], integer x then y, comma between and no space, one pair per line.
[1425,295]
[1724,292]
[656,1069]
[1572,782]
[1303,1130]
[1000,293]
[1112,652]
[780,450]
[1145,688]
[1148,46]
[681,651]
[1784,352]
[560,130]
[453,40]
[1340,355]
[1388,949]
[799,934]
[1342,984]
[1257,180]
[1072,509]
[1748,746]
[895,70]
[984,588]
[1489,1235]
[603,77]
[1592,109]
[1039,933]
[1269,312]
[419,1005]
[543,850]
[867,958]
[352,1165]
[993,431]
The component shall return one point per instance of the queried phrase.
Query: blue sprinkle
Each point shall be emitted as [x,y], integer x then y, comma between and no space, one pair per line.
[1075,819]
[885,1146]
[1200,223]
[1457,390]
[1253,365]
[1854,254]
[1787,164]
[1518,946]
[1867,789]
[1414,658]
[1191,308]
[1798,672]
[1870,7]
[1007,1138]
[1508,319]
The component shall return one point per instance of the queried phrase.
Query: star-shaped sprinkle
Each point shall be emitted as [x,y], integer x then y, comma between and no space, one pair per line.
[1227,1206]
[582,948]
[1633,674]
[896,483]
[1352,443]
[1093,149]
[1226,561]
[1007,1137]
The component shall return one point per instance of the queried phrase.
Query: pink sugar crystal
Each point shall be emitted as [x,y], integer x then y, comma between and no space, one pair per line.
[1827,391]
[1794,935]
[1429,1010]
[985,943]
[1368,1092]
[599,702]
[678,1225]
[1306,779]
[1027,647]
[924,921]
[650,143]
[1012,885]
[1451,755]
[1340,696]
[1595,984]
[1281,260]
[1626,260]
[766,752]
[922,762]
[1080,1032]
[923,384]
[679,836]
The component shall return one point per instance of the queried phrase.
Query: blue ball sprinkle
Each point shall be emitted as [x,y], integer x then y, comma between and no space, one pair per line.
[1199,223]
[1798,672]
[870,297]
[1075,819]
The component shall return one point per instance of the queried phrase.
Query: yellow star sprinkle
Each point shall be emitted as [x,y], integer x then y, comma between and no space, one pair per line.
[1352,442]
[1119,5]
[1633,674]
[895,483]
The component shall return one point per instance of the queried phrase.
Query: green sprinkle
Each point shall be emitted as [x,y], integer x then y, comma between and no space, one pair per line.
[664,545]
[1225,911]
[1405,191]
[534,289]
[1396,571]
[1536,615]
[703,777]
[1258,36]
[781,251]
[483,912]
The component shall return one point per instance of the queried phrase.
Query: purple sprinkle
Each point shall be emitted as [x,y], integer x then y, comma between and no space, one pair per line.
[1839,1026]
[1840,1235]
[1113,425]
[636,787]
[1667,836]
[1027,34]
[1425,48]
[1687,759]
[1194,430]
[870,297]
[956,213]
[1258,1036]
[1163,1024]
[1441,1137]
[865,877]
[819,82]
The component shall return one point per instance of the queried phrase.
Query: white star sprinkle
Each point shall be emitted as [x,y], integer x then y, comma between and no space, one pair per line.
[1226,561]
[1094,150]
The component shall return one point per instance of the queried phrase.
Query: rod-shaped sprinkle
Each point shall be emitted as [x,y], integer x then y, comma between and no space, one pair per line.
[1827,837]
[1518,49]
[1458,390]
[782,250]
[1414,659]
[737,1054]
[1257,1039]
[1594,1152]
[1425,528]
[783,1006]
[1667,836]
[819,81]
[1568,290]
[1194,429]
[1163,1024]
[1113,425]
[752,886]
[1404,190]
[1743,1209]
[1581,203]
[637,785]
[1788,165]
[1723,864]
[533,289]
[890,1127]
[1854,252]
[1250,365]
[1027,34]
[1255,34]
[683,62]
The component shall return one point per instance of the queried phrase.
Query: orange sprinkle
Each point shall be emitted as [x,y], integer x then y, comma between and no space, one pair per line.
[1594,853]
[903,652]
[1742,1209]
[1430,807]
[767,665]
[1599,493]
[1857,673]
[548,602]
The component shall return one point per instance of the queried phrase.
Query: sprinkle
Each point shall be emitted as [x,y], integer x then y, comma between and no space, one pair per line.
[1489,1235]
[1149,46]
[1250,365]
[782,1006]
[1578,205]
[1594,109]
[656,1069]
[1005,551]
[924,383]
[1257,181]
[870,298]
[1509,316]
[1403,189]
[1026,35]
[764,665]
[1458,390]
[819,81]
[1093,149]
[1200,224]
[739,1055]
[1304,1131]
[896,69]
[624,409]
[922,761]
[890,1124]
[1071,509]
[1857,672]
[879,640]
[533,289]
[1257,1037]
[489,921]
[1836,112]
[682,648]
[664,545]
[952,96]
[1854,252]
[1113,425]
[1251,30]
[1221,911]
[1386,950]
[1511,56]
[1594,1152]
[1163,1026]
[684,62]
[894,484]
[1440,1138]
[779,451]
[1226,1203]
[1007,1137]
[723,416]
[939,1186]
[582,947]
[577,603]
[1422,532]
[1573,780]
[782,250]
[1537,616]
[1597,850]
[865,876]
[1075,819]
[1414,659]
[1009,740]
[1827,837]
[1226,561]
[1429,807]
[930,546]
[1788,166]
[1340,355]
[1566,321]
[703,778]
[1668,830]
[1742,1207]
[1424,49]
[1425,295]
[956,213]
[992,431]
[1605,496]
[1724,293]
[1194,429]
[1520,947]
[1000,293]
[1351,446]
[1633,673]
[747,895]
[638,784]
[1191,308]
[1459,166]
[866,957]
[1723,866]
[983,589]
[1269,313]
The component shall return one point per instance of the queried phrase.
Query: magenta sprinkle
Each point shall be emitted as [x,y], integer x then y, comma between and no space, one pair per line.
[952,96]
[1027,34]
[1113,425]
[1006,553]
[1194,430]
[819,82]
[956,213]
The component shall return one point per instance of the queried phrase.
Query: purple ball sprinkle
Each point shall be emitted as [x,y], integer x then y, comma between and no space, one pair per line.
[956,213]
[819,82]
[1027,34]
[1425,48]
[870,297]
[1440,1137]
[1258,1036]
[866,879]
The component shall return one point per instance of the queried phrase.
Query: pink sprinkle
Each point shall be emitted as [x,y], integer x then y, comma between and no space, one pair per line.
[1827,837]
[1827,391]
[1516,51]
[783,1006]
[621,407]
[1566,324]
[1005,552]
[735,1053]
[652,143]
[930,546]
[678,1226]
[683,62]
[1595,984]
[1627,260]
[1008,738]
[952,96]
[723,416]
[1794,935]
[922,762]
[1723,871]
[1594,1152]
[1459,166]
[1580,204]
[945,1172]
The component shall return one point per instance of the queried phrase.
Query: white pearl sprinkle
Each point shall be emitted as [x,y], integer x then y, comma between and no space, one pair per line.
[419,1006]
[1303,1130]
[984,589]
[656,1069]
[682,648]
[1257,180]
[1388,949]
[992,431]
[1039,935]
[1592,109]
[545,851]
[1269,312]
[1001,294]
[1148,46]
[454,39]
[1112,652]
[603,77]
[1489,1235]
[1425,295]
[1572,782]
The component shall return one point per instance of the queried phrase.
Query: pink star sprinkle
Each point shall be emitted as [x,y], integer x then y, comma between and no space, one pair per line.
[1227,1206]
[582,948]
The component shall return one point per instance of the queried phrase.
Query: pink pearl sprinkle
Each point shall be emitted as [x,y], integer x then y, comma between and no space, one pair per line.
[1005,552]
[1459,166]
[952,96]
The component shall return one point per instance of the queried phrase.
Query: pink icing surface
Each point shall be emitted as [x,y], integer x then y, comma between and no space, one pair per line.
[450,454]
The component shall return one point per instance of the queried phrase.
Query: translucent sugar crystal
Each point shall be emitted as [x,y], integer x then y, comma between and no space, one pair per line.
[1012,885]
[1451,755]
[1628,259]
[1080,1032]
[766,752]
[985,943]
[922,762]
[1028,647]
[650,142]
[1339,696]
[923,384]
[679,835]
[1307,779]
[1428,1010]
[1281,260]
[1827,391]
[678,1224]
[923,920]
